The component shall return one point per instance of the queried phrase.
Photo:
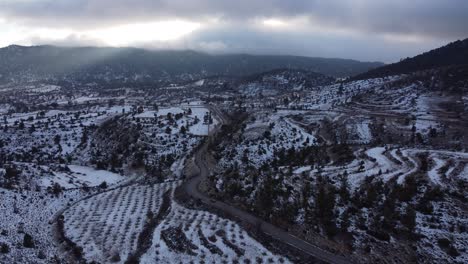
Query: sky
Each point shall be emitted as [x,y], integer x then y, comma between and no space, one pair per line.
[366,30]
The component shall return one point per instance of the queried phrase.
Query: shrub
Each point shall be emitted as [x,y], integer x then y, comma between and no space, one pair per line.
[28,241]
[4,248]
[446,245]
[444,242]
[409,219]
[115,258]
[381,235]
[103,185]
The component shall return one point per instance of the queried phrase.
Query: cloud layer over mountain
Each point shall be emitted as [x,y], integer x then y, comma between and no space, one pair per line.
[361,29]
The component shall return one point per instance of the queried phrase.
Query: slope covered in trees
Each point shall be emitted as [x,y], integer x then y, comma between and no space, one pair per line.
[130,64]
[455,53]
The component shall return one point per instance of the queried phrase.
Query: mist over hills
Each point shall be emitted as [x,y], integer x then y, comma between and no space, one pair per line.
[20,63]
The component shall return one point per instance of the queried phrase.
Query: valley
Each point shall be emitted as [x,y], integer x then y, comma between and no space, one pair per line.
[280,166]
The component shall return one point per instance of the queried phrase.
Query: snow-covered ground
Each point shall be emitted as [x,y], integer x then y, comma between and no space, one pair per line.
[80,176]
[109,223]
[268,134]
[194,121]
[194,236]
[28,212]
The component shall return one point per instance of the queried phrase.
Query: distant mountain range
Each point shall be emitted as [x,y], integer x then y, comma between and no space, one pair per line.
[127,65]
[453,54]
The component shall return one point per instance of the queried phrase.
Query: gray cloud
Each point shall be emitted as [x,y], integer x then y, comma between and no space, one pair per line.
[361,47]
[433,18]
[434,22]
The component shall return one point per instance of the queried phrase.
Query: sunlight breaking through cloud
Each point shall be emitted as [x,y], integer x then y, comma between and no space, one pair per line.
[144,32]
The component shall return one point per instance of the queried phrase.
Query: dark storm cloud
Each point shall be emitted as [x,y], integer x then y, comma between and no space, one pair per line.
[433,18]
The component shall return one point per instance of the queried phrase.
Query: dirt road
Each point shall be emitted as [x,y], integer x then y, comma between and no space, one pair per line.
[191,188]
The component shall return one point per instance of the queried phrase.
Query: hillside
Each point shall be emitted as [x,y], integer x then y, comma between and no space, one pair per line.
[455,53]
[282,80]
[130,65]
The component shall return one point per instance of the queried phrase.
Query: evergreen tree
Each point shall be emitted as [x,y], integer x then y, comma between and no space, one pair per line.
[28,241]
[409,219]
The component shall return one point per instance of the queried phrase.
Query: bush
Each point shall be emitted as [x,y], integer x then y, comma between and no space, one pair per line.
[409,219]
[116,258]
[103,185]
[381,235]
[77,252]
[4,248]
[444,242]
[57,189]
[446,245]
[453,252]
[28,241]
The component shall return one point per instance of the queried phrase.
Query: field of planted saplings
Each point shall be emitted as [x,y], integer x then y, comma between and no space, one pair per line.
[106,226]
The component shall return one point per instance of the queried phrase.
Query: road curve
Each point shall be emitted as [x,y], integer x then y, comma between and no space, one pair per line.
[191,188]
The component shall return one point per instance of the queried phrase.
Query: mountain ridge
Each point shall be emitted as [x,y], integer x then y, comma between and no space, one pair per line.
[75,62]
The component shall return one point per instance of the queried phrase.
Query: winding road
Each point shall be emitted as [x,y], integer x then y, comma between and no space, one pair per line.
[191,188]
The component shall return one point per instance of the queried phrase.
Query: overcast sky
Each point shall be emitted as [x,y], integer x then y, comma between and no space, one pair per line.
[371,30]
